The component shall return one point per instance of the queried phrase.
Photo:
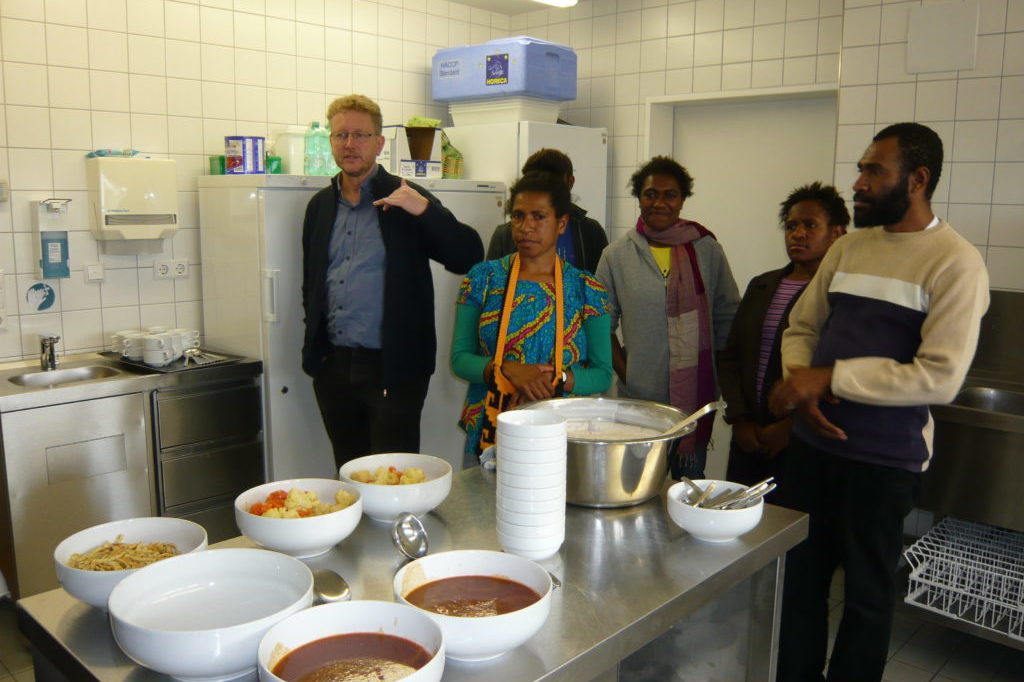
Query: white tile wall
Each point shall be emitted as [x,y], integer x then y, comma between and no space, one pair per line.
[739,44]
[172,78]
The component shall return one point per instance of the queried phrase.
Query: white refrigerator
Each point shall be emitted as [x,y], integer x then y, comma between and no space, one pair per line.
[497,151]
[251,236]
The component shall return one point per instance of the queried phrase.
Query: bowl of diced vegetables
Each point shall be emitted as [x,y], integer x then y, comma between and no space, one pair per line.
[398,482]
[302,517]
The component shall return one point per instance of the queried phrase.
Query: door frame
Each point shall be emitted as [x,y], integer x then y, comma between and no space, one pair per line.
[659,112]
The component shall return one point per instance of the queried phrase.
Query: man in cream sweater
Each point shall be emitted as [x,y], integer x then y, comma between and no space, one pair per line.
[888,325]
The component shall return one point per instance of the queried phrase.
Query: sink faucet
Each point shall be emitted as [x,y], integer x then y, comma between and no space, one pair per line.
[48,351]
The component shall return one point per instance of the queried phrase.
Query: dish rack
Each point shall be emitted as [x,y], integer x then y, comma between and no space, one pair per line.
[971,572]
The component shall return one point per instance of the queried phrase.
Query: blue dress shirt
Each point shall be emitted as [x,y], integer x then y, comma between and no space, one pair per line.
[355,273]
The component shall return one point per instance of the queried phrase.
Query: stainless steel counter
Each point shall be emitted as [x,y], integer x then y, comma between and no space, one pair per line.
[127,380]
[628,575]
[96,446]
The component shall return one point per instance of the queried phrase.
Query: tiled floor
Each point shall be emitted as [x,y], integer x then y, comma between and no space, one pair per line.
[919,652]
[15,661]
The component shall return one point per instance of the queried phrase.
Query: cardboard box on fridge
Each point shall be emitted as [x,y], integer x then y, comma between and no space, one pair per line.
[396,149]
[419,170]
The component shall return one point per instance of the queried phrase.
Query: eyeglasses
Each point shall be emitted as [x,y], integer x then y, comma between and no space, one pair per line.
[357,136]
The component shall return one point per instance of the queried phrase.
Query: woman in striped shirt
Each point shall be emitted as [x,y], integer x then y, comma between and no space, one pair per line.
[813,217]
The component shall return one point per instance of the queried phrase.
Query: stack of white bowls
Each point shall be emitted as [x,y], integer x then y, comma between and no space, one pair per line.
[531,482]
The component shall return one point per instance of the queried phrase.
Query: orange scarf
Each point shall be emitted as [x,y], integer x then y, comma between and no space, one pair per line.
[500,396]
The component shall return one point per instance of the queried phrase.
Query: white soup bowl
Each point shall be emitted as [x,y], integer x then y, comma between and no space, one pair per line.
[201,616]
[478,639]
[385,502]
[93,587]
[712,525]
[304,537]
[399,620]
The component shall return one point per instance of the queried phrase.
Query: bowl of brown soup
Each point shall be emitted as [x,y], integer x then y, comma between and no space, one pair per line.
[355,641]
[486,602]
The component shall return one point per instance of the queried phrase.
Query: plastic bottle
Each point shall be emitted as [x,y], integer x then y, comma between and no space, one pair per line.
[327,156]
[312,160]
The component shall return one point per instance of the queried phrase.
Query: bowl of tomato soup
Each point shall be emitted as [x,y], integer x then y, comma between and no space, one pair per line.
[487,603]
[357,641]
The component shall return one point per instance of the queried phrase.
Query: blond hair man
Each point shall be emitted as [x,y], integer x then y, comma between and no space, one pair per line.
[367,291]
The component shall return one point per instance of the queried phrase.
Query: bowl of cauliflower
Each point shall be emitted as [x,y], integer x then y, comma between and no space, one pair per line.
[398,482]
[302,517]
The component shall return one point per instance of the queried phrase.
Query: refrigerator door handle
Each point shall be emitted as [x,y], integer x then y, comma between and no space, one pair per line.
[270,295]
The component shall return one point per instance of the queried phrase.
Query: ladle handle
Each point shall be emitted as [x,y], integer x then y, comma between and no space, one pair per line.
[679,428]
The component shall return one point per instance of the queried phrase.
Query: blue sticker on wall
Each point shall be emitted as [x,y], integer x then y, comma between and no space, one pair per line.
[40,296]
[497,69]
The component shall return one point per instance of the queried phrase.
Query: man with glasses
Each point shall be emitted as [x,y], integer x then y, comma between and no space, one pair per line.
[367,291]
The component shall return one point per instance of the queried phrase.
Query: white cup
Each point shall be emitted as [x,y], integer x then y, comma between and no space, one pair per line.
[159,341]
[132,345]
[118,337]
[158,357]
[189,338]
[156,329]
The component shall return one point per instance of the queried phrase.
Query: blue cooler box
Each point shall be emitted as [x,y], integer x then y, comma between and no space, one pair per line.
[505,67]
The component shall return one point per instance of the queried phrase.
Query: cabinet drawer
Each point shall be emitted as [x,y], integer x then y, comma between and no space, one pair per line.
[210,473]
[218,520]
[183,418]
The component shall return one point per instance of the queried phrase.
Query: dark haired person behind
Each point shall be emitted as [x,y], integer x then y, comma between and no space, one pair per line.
[671,286]
[526,363]
[887,327]
[583,240]
[812,217]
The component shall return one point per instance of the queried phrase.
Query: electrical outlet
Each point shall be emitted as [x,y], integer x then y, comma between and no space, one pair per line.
[163,269]
[179,267]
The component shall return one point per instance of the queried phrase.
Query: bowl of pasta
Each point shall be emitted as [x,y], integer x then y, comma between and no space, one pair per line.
[302,517]
[398,482]
[92,561]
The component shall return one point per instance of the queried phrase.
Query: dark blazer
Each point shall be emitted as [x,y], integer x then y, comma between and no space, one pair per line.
[737,362]
[409,344]
[588,237]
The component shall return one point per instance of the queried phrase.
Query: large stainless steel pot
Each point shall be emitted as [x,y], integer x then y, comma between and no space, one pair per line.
[616,472]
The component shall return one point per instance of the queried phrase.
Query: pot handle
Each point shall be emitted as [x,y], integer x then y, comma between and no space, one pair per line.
[682,428]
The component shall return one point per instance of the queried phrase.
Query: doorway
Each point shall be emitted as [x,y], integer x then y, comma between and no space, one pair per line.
[746,151]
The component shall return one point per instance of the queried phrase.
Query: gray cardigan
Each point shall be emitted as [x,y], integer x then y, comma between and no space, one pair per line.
[636,296]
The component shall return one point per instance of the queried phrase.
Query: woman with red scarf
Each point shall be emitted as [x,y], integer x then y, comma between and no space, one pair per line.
[670,287]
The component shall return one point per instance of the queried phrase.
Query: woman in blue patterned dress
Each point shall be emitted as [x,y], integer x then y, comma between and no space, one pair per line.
[529,367]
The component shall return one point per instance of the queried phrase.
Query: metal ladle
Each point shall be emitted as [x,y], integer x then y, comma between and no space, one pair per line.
[694,416]
[409,535]
[329,587]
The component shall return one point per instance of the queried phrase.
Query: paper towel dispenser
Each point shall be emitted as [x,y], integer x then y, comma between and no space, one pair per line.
[132,199]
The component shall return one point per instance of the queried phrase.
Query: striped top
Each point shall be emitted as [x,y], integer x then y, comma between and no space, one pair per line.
[787,291]
[896,315]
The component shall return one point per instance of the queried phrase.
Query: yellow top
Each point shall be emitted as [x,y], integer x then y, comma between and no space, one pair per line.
[663,257]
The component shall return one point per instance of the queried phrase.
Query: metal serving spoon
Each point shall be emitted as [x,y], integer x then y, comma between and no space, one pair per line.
[329,587]
[409,535]
[694,416]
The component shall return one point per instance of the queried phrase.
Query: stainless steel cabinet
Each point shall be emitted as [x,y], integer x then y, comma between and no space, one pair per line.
[68,467]
[209,441]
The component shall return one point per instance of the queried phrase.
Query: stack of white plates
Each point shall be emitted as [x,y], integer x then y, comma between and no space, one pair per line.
[531,482]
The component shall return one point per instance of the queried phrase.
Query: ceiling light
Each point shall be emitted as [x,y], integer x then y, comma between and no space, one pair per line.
[557,3]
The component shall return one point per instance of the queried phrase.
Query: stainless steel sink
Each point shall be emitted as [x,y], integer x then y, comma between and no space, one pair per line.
[978,460]
[57,377]
[992,400]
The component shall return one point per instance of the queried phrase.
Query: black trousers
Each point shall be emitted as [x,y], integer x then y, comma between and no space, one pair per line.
[856,519]
[360,415]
